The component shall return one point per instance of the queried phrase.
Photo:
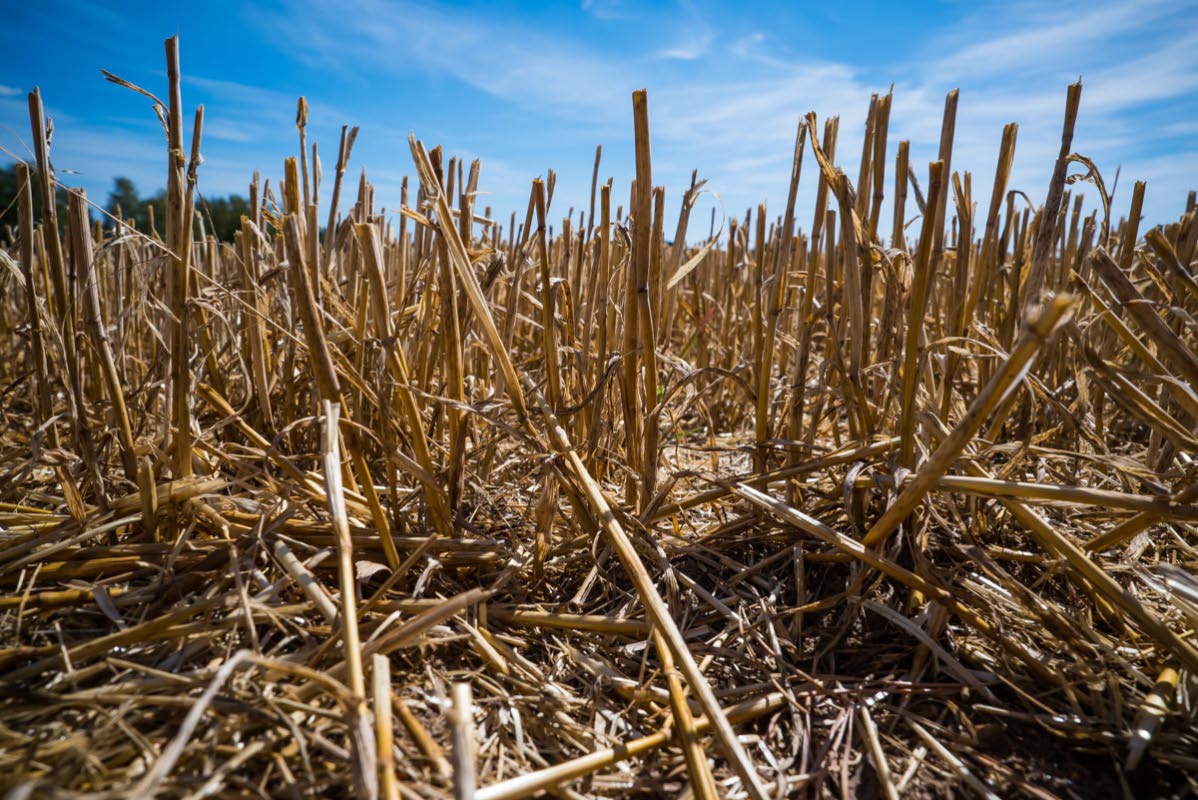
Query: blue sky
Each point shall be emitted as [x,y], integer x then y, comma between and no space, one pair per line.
[529,86]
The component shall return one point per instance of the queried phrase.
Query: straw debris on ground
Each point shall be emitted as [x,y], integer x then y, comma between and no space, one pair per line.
[425,503]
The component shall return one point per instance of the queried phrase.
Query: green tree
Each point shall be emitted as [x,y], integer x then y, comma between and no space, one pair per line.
[221,215]
[134,208]
[8,201]
[123,199]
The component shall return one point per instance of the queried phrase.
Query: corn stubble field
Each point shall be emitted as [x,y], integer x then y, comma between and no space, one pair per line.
[420,505]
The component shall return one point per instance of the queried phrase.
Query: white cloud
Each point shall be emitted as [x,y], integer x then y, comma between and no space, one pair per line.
[748,45]
[1133,59]
[731,108]
[1183,128]
[1130,60]
[1033,33]
[694,39]
[1167,72]
[603,9]
[9,91]
[230,131]
[502,58]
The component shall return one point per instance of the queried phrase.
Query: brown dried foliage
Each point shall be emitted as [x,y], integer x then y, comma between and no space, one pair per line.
[866,529]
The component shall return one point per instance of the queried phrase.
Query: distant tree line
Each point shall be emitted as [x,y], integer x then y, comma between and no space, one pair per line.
[221,215]
[8,199]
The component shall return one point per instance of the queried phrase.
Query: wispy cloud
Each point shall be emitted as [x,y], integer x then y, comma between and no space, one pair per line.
[694,38]
[229,131]
[532,90]
[247,94]
[1131,60]
[1023,36]
[501,57]
[1137,62]
[1168,72]
[603,9]
[747,46]
[690,49]
[1185,128]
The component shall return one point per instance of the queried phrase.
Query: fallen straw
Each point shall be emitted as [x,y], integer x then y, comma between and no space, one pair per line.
[1038,329]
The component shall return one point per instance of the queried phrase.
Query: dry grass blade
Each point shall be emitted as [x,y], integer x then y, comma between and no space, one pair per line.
[461,718]
[1047,233]
[352,644]
[1151,715]
[701,781]
[96,330]
[1005,381]
[178,241]
[876,753]
[460,260]
[958,766]
[372,254]
[1140,309]
[858,550]
[557,775]
[1057,544]
[655,607]
[920,289]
